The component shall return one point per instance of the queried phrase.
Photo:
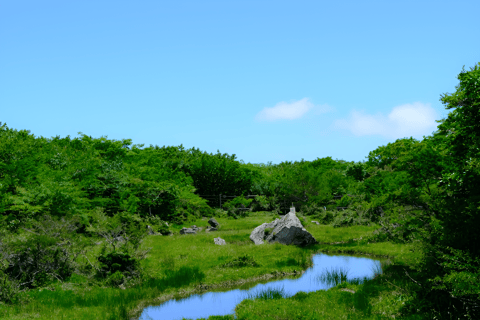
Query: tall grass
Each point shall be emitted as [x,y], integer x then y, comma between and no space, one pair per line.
[334,276]
[267,294]
[106,303]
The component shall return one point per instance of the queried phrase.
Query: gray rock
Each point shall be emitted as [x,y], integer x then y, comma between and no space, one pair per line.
[258,234]
[316,222]
[288,230]
[210,229]
[214,223]
[195,228]
[219,241]
[187,231]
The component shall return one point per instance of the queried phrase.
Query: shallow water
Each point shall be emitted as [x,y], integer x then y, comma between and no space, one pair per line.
[223,303]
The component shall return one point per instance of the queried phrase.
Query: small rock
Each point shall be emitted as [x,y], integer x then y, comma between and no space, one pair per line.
[316,222]
[210,229]
[187,231]
[219,241]
[214,223]
[195,228]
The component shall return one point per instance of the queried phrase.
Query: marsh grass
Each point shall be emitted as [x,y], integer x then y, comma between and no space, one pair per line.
[334,276]
[106,303]
[268,294]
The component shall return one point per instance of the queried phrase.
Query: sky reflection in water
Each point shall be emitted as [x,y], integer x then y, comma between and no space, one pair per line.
[223,303]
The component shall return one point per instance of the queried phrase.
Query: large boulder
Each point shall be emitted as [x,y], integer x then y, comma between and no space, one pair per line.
[288,230]
[214,223]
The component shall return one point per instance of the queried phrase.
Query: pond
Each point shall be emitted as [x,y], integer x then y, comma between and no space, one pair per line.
[223,303]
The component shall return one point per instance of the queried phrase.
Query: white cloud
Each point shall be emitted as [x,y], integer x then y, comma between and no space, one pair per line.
[289,111]
[416,119]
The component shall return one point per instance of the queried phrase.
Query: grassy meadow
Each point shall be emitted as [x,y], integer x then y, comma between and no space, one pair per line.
[180,265]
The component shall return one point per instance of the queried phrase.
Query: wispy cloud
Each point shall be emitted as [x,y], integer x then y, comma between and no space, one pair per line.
[289,110]
[415,119]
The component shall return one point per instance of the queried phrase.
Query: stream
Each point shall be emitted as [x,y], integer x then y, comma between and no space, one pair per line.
[223,303]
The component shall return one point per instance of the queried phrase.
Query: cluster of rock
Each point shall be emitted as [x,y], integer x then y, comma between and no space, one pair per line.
[287,230]
[214,225]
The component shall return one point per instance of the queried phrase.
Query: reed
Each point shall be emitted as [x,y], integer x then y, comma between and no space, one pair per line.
[334,276]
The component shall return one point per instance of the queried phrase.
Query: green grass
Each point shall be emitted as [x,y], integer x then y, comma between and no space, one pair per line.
[327,234]
[179,264]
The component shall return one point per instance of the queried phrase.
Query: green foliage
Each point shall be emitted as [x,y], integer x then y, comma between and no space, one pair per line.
[261,203]
[267,231]
[46,255]
[357,171]
[9,289]
[112,263]
[241,261]
[237,206]
[215,174]
[345,201]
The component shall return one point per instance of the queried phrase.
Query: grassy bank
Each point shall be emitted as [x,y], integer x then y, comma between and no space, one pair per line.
[180,264]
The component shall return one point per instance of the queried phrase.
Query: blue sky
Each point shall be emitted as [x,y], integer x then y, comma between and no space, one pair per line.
[265,80]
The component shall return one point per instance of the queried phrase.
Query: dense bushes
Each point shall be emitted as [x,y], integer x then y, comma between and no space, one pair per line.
[46,255]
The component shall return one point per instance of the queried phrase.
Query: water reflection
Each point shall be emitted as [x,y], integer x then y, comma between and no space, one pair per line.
[223,303]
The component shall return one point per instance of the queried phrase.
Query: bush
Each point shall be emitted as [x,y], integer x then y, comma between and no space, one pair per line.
[113,262]
[8,289]
[261,203]
[191,205]
[349,217]
[312,209]
[48,254]
[237,206]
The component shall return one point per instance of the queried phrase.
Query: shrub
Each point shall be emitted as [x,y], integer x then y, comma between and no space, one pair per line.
[312,209]
[113,262]
[349,217]
[8,289]
[191,205]
[46,256]
[236,207]
[261,203]
[241,261]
